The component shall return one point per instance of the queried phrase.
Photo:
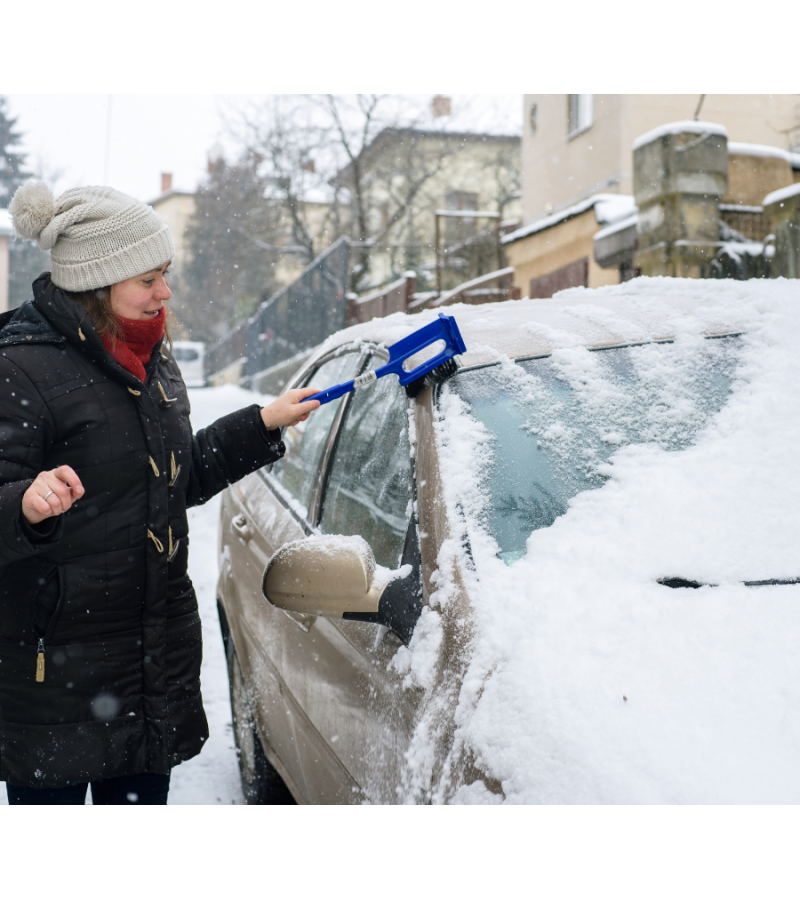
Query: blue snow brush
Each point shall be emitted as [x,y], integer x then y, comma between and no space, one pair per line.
[427,374]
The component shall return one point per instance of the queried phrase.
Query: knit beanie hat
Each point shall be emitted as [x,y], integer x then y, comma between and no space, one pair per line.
[96,236]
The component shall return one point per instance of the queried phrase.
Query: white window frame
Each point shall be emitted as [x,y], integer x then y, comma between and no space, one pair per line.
[584,113]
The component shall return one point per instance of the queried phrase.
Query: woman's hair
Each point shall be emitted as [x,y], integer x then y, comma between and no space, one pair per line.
[97,304]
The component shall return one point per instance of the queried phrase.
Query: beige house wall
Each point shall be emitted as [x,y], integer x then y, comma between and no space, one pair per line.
[557,171]
[3,273]
[751,178]
[471,169]
[556,247]
[175,208]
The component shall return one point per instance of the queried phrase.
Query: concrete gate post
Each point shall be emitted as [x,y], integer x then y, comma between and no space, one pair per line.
[680,171]
[783,211]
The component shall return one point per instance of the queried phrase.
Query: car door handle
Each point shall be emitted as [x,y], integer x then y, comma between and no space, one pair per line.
[240,527]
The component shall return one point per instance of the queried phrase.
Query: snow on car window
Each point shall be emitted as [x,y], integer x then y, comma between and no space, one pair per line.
[556,421]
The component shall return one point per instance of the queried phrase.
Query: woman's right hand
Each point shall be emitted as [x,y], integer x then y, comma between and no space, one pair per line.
[290,408]
[51,494]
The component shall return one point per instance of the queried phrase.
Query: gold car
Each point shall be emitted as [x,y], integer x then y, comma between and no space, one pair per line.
[329,557]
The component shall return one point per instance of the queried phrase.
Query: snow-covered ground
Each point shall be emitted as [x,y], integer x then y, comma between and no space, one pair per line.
[213,776]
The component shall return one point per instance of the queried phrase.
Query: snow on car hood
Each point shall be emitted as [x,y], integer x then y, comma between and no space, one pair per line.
[587,681]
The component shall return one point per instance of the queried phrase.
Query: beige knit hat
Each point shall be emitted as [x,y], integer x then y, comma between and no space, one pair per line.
[96,236]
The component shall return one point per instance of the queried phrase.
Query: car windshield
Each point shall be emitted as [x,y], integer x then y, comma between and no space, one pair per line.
[555,421]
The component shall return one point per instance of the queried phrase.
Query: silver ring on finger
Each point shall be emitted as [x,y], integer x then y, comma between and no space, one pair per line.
[48,494]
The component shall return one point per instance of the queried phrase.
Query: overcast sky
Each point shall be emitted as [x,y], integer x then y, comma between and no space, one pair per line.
[68,134]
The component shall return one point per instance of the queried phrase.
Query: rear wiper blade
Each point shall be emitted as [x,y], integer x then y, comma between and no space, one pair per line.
[772,581]
[674,582]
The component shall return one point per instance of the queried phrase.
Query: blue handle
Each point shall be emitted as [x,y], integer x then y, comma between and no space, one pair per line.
[332,393]
[444,328]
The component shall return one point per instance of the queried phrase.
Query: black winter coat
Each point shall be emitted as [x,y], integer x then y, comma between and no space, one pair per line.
[104,587]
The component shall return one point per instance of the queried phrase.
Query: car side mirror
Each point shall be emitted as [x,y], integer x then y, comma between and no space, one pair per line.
[325,575]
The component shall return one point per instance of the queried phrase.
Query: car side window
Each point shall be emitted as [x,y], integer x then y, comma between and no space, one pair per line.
[369,490]
[297,470]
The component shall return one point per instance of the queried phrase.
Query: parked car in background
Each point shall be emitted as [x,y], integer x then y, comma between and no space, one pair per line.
[567,574]
[190,357]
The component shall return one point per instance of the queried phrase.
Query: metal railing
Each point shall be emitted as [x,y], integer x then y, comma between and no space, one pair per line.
[295,318]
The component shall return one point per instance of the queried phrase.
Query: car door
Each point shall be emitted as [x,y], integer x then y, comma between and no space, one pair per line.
[352,696]
[268,509]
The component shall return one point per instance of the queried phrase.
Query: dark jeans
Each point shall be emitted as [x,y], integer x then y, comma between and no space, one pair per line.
[130,790]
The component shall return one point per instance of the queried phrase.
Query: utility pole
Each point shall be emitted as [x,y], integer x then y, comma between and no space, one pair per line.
[107,166]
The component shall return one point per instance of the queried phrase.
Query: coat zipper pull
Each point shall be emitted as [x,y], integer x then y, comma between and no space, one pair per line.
[40,661]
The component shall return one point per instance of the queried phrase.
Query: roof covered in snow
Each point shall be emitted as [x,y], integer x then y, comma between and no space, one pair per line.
[687,127]
[607,208]
[737,148]
[628,222]
[783,194]
[576,317]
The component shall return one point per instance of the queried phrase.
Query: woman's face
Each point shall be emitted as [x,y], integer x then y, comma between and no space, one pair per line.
[141,297]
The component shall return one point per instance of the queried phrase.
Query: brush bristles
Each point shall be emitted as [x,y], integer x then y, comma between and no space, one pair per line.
[436,376]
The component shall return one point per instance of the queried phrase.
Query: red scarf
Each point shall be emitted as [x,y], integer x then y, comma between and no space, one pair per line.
[134,349]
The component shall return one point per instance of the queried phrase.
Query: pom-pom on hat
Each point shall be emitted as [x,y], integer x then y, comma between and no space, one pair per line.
[96,236]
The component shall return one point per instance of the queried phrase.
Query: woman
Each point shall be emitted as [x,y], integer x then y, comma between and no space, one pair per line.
[100,641]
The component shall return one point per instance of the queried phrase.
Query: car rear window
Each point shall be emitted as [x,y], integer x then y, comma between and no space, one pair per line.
[556,421]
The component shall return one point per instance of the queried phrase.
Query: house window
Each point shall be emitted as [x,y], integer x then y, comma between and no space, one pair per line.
[461,200]
[580,113]
[533,119]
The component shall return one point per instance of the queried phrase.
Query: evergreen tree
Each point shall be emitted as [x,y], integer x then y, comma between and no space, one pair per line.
[25,260]
[12,162]
[231,237]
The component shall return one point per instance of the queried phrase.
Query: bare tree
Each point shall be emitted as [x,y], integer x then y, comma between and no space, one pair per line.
[363,154]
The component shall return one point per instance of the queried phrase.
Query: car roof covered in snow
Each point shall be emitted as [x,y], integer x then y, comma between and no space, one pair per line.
[642,310]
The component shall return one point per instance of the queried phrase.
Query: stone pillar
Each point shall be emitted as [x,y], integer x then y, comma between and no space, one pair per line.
[782,208]
[680,171]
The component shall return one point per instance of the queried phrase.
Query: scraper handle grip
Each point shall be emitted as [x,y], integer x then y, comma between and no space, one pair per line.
[333,393]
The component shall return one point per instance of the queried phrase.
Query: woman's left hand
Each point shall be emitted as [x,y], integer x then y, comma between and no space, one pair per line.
[289,409]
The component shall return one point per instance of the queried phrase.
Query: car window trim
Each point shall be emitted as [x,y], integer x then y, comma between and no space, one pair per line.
[286,500]
[323,472]
[285,497]
[323,468]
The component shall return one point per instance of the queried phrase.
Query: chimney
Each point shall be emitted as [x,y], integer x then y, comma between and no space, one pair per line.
[166,182]
[440,106]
